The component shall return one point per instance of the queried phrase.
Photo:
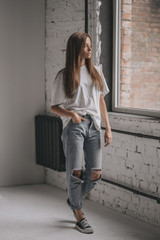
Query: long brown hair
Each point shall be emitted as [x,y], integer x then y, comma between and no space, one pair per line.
[75,44]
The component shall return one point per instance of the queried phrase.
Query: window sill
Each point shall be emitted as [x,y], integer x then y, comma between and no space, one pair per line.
[134,123]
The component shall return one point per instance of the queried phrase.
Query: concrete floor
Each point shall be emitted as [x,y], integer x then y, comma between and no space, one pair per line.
[39,212]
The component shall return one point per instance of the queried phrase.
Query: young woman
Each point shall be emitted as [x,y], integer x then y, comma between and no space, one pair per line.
[78,96]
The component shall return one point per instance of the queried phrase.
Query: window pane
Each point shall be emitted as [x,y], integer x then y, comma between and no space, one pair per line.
[140,54]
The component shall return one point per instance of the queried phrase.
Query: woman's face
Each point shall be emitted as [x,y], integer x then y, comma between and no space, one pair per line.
[87,50]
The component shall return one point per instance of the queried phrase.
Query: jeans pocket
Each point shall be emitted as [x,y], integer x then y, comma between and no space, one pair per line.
[74,123]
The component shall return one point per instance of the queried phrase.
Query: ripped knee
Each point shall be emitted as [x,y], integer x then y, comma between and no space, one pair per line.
[77,173]
[96,175]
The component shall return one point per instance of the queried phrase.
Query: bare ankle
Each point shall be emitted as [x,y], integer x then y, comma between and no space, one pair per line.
[79,215]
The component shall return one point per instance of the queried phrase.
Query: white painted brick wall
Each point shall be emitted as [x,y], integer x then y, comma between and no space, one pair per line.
[126,202]
[129,160]
[55,178]
[94,29]
[124,164]
[62,19]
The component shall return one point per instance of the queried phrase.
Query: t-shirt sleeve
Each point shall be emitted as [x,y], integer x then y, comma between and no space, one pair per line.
[105,86]
[58,94]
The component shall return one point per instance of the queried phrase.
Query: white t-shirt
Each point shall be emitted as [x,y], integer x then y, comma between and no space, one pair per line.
[85,99]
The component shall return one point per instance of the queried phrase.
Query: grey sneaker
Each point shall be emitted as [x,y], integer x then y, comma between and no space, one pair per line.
[83,226]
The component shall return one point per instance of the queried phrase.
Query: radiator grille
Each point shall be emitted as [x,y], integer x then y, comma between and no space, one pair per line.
[49,149]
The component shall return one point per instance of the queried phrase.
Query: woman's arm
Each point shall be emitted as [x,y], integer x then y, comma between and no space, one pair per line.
[104,114]
[66,113]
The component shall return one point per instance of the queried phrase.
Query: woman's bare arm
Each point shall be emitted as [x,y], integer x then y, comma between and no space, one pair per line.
[104,114]
[66,113]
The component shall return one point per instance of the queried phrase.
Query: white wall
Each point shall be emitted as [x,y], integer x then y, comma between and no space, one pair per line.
[22,88]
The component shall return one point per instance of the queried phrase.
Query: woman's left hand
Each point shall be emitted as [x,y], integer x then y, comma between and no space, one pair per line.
[107,137]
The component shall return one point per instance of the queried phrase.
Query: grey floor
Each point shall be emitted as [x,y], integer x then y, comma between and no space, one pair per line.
[39,212]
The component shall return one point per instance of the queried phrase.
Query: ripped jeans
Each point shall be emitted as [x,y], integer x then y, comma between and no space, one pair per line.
[78,138]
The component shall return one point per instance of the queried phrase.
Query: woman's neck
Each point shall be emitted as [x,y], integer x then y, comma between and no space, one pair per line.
[83,62]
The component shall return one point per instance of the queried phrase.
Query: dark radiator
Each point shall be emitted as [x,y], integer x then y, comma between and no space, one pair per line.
[49,149]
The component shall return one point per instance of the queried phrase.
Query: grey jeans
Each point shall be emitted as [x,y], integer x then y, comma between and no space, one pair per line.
[79,138]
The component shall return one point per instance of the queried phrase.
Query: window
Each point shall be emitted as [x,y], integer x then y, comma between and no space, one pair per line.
[136,57]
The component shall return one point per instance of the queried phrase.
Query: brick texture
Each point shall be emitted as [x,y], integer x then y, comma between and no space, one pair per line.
[140,54]
[62,19]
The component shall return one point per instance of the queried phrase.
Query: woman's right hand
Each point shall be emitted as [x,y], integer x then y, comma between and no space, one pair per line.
[77,118]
